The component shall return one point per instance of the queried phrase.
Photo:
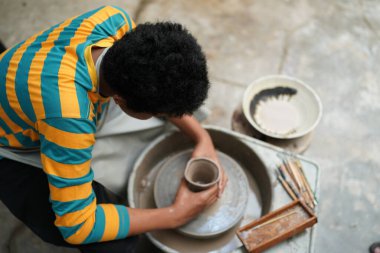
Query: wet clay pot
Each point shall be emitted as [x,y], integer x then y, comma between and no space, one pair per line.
[201,174]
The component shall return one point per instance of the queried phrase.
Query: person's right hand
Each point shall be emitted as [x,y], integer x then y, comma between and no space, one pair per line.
[188,204]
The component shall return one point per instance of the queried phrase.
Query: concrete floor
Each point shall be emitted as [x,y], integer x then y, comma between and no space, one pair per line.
[331,45]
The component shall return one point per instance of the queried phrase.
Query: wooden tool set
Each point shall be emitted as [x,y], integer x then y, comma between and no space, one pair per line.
[287,221]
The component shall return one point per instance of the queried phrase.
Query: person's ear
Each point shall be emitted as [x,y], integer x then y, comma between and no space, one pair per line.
[118,100]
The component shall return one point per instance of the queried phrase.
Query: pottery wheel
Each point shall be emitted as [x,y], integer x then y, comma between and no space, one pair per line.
[223,214]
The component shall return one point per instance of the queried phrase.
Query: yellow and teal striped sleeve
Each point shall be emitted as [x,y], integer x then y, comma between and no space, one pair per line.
[66,146]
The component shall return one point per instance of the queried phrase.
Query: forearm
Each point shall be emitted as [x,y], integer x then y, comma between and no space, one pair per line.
[144,220]
[191,127]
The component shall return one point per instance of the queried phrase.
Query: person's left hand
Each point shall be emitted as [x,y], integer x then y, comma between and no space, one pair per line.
[205,148]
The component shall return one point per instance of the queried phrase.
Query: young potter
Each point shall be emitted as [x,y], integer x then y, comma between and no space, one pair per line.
[52,96]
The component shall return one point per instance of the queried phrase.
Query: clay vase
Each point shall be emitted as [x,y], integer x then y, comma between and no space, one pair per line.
[201,174]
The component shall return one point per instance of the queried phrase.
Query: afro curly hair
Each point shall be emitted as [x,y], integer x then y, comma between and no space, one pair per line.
[158,68]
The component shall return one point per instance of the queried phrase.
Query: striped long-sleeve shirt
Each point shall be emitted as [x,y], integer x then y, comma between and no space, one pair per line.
[49,99]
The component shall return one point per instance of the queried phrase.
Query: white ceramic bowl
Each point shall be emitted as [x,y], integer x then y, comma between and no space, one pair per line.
[281,107]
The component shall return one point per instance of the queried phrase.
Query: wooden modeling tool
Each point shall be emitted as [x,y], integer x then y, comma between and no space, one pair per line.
[275,219]
[291,193]
[291,176]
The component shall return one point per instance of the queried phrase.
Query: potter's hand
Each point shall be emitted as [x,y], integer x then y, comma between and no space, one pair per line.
[205,148]
[188,204]
[203,143]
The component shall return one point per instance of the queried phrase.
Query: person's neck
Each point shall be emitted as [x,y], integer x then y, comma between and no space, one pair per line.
[104,89]
[96,52]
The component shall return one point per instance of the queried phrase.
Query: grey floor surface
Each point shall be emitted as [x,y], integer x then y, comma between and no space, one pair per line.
[331,45]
